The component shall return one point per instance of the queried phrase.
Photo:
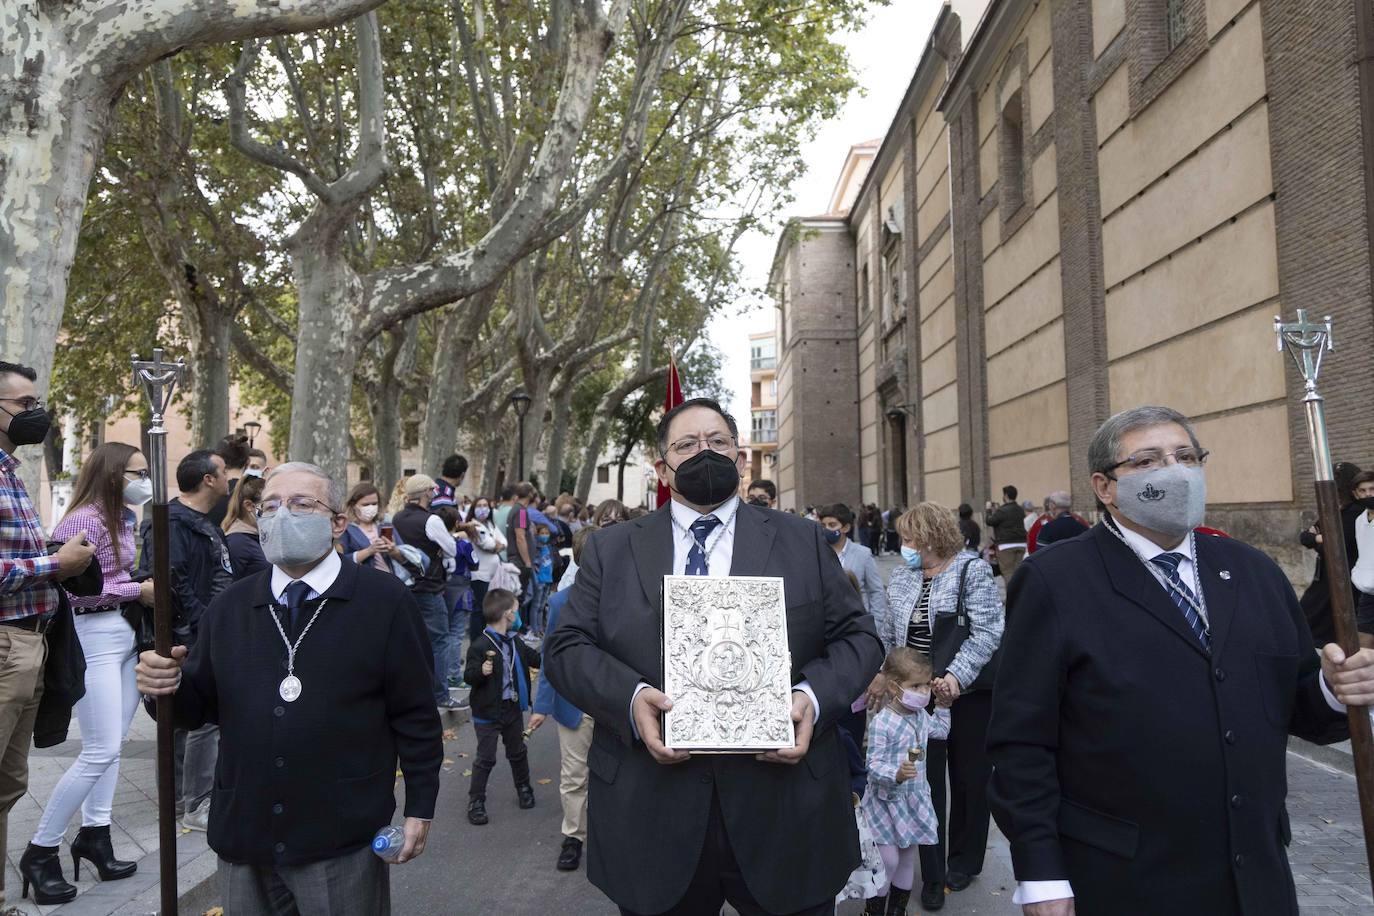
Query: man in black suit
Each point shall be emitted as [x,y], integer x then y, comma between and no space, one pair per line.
[672,832]
[1150,679]
[318,674]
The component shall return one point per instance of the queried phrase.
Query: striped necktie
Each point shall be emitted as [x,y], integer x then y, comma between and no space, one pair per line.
[696,557]
[1183,596]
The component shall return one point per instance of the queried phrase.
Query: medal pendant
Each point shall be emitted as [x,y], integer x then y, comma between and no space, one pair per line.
[290,688]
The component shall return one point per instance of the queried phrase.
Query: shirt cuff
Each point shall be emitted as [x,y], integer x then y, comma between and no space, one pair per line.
[1330,697]
[1041,891]
[634,729]
[805,687]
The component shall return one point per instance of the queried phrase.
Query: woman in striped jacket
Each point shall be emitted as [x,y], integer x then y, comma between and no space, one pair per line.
[944,602]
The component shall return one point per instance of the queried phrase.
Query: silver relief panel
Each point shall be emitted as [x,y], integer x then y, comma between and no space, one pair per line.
[726,664]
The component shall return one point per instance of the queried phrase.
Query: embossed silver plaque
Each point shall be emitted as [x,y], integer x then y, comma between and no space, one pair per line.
[726,664]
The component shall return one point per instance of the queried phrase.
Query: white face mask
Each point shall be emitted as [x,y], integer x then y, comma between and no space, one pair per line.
[252,472]
[367,513]
[137,492]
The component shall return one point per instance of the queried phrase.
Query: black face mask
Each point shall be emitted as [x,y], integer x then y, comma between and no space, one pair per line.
[760,501]
[707,478]
[1367,502]
[29,427]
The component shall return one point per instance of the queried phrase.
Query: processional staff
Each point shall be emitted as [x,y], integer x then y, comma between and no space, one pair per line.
[1307,341]
[158,380]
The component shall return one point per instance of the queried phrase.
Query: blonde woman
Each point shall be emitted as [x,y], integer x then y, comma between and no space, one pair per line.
[944,603]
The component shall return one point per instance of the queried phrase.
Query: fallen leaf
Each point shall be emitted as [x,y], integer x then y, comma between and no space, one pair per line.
[215,911]
[544,782]
[462,755]
[399,774]
[450,734]
[448,760]
[467,772]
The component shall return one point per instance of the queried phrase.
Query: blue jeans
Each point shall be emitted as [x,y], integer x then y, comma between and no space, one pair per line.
[537,615]
[435,613]
[454,592]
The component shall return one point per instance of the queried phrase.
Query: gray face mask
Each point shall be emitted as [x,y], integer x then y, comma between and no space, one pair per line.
[293,540]
[1171,500]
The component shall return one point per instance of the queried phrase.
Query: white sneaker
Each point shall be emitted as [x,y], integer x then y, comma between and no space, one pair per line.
[198,819]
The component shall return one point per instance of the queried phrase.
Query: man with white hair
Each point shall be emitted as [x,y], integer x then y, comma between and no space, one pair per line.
[318,675]
[1059,523]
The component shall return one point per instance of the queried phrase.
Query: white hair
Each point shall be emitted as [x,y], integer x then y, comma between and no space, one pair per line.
[334,490]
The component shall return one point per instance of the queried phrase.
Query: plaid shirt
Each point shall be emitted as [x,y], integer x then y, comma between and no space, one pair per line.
[27,571]
[87,519]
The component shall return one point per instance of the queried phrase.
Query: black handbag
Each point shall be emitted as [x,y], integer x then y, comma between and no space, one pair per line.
[140,618]
[949,634]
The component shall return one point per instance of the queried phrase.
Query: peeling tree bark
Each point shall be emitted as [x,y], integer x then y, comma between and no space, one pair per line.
[61,67]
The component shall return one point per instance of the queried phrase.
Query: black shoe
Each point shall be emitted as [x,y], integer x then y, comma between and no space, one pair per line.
[957,880]
[41,867]
[526,795]
[876,906]
[93,844]
[477,812]
[932,895]
[571,856]
[897,900]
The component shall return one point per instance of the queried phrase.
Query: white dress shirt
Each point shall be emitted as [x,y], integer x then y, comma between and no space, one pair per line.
[1362,576]
[319,578]
[1040,891]
[719,556]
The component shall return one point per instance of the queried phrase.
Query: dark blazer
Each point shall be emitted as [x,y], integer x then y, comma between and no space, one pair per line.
[485,696]
[310,780]
[791,827]
[1126,759]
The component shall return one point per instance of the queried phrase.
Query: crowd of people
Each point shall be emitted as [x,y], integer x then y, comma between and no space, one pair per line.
[320,633]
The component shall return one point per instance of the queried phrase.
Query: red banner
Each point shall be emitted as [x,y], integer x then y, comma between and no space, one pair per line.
[673,399]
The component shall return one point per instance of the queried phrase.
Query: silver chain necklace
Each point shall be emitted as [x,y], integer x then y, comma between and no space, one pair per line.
[1194,601]
[712,540]
[290,687]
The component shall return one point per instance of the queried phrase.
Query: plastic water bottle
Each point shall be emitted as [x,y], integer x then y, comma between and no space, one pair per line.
[388,842]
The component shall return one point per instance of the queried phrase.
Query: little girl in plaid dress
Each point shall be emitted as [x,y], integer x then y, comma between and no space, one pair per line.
[897,804]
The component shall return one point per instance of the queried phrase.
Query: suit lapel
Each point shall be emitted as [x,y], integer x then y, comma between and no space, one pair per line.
[1132,581]
[652,546]
[754,534]
[1218,592]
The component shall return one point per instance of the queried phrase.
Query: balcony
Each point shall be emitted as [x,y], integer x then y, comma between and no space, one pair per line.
[762,363]
[763,437]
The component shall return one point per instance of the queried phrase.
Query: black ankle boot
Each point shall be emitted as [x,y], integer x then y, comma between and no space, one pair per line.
[876,906]
[41,867]
[896,901]
[933,895]
[93,844]
[477,811]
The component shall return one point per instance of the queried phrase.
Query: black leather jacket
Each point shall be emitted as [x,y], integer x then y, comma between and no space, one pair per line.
[201,567]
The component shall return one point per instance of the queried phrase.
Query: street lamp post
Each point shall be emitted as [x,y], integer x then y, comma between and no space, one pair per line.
[251,429]
[521,402]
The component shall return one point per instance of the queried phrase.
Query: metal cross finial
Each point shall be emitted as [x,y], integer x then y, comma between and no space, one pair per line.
[159,380]
[1307,342]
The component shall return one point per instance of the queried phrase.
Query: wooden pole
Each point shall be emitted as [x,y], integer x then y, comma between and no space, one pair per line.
[158,380]
[1307,342]
[166,763]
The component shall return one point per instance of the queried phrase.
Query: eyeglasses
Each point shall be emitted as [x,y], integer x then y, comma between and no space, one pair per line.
[25,403]
[688,447]
[296,505]
[141,475]
[1152,458]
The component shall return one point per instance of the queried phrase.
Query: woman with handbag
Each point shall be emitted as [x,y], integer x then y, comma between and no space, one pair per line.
[113,478]
[943,602]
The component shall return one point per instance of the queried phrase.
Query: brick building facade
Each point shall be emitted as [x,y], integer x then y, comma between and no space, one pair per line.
[1082,206]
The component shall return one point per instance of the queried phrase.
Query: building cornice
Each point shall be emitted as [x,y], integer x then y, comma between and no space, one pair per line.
[790,230]
[927,68]
[983,50]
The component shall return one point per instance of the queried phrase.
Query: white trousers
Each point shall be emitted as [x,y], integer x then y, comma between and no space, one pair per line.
[104,714]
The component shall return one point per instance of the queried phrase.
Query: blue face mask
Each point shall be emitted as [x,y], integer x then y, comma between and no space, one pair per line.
[543,538]
[912,557]
[832,537]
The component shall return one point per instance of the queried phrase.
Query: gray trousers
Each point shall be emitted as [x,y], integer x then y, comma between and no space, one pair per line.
[353,884]
[195,753]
